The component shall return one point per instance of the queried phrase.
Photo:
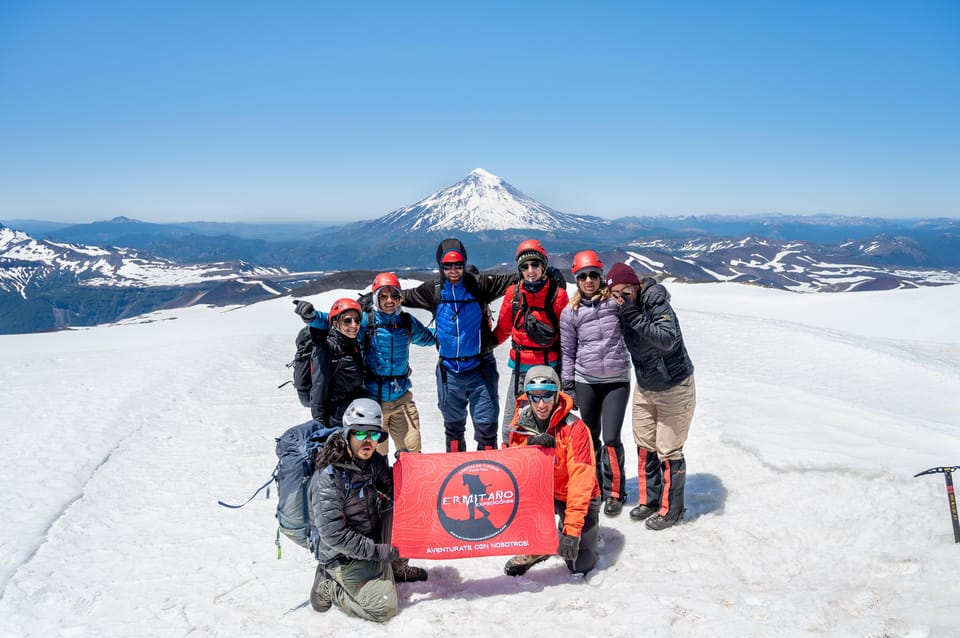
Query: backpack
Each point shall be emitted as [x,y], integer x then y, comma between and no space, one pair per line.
[302,380]
[545,335]
[295,450]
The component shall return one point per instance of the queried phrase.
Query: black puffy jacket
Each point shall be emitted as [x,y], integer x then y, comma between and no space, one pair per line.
[345,501]
[337,378]
[653,337]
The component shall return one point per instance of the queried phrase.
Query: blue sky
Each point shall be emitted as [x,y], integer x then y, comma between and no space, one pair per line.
[243,111]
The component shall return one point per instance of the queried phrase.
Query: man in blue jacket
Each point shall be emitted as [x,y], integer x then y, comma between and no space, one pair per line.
[467,369]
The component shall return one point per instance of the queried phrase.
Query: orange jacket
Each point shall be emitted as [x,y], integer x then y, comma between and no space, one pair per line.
[574,466]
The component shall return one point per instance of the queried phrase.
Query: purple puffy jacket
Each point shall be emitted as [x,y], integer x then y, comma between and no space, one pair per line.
[591,341]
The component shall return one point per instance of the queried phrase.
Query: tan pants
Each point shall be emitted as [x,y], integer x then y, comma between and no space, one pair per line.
[661,420]
[402,420]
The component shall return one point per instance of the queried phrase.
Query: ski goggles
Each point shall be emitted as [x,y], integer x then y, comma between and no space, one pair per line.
[541,397]
[363,435]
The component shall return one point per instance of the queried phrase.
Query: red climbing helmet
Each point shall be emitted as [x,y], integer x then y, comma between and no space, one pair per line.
[530,249]
[342,305]
[385,279]
[586,259]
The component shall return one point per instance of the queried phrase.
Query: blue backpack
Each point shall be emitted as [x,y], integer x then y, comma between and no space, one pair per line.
[295,450]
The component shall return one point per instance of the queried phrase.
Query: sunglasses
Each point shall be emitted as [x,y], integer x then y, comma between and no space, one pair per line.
[533,263]
[363,435]
[588,275]
[458,265]
[348,321]
[622,293]
[387,295]
[542,397]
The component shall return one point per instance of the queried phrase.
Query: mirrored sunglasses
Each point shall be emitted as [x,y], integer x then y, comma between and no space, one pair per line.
[458,265]
[363,435]
[541,397]
[588,275]
[533,263]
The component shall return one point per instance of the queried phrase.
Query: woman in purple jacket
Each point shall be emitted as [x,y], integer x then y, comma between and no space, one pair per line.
[596,372]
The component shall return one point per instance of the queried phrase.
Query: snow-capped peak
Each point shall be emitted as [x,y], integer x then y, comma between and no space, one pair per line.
[481,201]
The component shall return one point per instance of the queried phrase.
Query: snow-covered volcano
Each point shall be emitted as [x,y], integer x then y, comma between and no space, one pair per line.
[482,201]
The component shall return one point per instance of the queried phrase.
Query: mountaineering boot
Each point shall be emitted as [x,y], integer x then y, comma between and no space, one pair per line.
[407,573]
[320,592]
[518,565]
[649,482]
[612,507]
[641,512]
[454,435]
[613,482]
[671,505]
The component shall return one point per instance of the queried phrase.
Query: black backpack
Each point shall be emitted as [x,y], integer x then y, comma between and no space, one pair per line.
[302,380]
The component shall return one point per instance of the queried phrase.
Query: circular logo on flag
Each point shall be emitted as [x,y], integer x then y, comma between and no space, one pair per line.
[477,500]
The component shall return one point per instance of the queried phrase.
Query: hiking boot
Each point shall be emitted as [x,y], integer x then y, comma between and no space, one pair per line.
[657,522]
[612,507]
[641,512]
[409,574]
[320,598]
[518,565]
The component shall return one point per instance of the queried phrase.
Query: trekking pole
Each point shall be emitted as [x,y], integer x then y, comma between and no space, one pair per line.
[951,497]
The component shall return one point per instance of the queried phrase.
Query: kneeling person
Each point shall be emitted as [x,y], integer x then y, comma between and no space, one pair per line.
[350,493]
[543,418]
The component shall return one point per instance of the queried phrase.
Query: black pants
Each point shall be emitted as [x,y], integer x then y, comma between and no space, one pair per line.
[603,407]
[589,537]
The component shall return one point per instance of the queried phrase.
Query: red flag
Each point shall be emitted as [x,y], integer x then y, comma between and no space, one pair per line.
[468,504]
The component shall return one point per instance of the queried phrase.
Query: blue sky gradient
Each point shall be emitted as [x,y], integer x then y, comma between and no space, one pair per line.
[242,111]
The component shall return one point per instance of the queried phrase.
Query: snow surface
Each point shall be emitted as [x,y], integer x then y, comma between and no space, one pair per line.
[814,413]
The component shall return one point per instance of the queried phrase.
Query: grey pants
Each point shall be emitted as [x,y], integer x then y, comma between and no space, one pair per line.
[364,588]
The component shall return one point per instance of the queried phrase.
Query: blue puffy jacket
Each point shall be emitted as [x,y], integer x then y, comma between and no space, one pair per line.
[387,355]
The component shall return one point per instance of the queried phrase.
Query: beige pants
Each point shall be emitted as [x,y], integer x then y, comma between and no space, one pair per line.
[402,421]
[661,420]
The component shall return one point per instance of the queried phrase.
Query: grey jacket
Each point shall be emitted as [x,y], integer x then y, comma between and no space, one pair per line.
[345,507]
[591,342]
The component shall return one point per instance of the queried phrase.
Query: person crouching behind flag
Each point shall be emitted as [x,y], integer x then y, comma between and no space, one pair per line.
[543,418]
[350,494]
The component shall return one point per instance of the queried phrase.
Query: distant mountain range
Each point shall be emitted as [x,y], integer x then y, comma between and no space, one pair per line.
[54,276]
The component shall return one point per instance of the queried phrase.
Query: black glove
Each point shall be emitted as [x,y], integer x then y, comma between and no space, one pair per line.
[653,294]
[569,547]
[305,310]
[385,553]
[543,440]
[570,389]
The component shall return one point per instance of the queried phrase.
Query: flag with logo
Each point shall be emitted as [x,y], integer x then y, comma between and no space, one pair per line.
[469,504]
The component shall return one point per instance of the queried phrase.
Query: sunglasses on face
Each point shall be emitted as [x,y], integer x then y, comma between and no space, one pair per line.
[533,263]
[389,295]
[362,436]
[349,321]
[541,397]
[588,275]
[458,265]
[622,293]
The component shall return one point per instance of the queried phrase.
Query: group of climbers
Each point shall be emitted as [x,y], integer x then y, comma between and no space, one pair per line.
[566,355]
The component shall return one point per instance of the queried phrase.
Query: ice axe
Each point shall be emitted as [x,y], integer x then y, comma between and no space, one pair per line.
[951,497]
